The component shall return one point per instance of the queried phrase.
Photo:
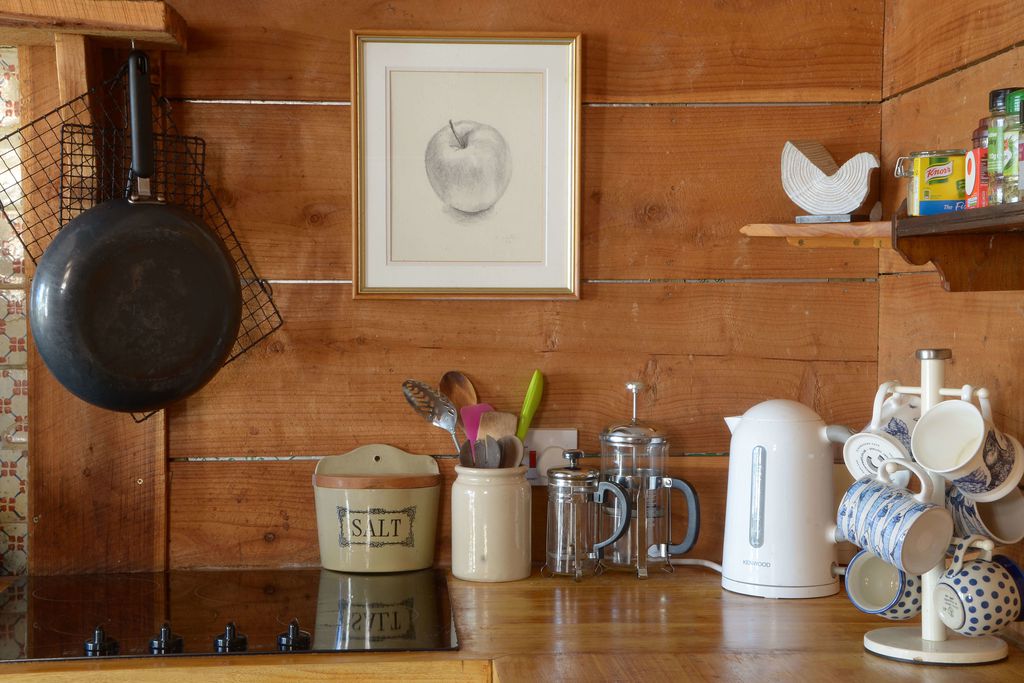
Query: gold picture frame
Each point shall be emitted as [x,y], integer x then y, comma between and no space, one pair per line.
[500,251]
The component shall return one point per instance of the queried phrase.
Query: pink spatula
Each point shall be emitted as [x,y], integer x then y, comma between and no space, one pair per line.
[471,421]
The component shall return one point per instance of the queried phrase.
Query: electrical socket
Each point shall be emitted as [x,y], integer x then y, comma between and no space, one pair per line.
[537,441]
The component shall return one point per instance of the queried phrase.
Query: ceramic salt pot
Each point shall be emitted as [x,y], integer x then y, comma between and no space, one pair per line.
[490,524]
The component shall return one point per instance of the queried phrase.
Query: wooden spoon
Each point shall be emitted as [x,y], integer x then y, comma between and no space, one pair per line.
[497,424]
[459,391]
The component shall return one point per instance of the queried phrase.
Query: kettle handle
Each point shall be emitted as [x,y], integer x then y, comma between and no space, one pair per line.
[838,433]
[624,519]
[692,516]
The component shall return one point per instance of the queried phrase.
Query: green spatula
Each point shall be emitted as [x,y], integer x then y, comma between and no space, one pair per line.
[530,404]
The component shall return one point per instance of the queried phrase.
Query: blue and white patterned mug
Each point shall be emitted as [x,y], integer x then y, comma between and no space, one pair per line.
[981,596]
[898,526]
[959,443]
[876,587]
[887,436]
[1001,520]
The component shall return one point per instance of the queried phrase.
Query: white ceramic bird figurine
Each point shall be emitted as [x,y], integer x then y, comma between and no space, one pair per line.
[817,185]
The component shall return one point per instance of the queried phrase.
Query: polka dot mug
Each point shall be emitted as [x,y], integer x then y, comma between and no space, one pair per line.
[980,596]
[876,587]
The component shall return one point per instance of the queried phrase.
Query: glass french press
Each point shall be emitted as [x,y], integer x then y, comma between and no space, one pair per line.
[575,496]
[633,456]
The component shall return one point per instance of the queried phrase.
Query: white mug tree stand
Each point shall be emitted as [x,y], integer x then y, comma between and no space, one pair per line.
[932,643]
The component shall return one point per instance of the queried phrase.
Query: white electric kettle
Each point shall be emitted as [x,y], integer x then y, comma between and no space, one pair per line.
[780,511]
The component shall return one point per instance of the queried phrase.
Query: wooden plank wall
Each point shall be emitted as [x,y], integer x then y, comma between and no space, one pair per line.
[687,107]
[936,89]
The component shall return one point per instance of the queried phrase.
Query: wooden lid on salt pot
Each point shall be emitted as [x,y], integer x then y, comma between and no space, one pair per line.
[377,466]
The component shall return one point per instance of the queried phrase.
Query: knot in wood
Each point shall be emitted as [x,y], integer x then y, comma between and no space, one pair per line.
[651,213]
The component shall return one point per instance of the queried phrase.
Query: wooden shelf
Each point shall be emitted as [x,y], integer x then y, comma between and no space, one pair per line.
[980,250]
[988,221]
[873,235]
[153,23]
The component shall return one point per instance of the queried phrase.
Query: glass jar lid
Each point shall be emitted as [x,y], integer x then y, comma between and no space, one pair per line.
[937,153]
[572,474]
[633,432]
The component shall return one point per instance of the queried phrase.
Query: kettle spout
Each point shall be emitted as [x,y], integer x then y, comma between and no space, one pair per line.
[733,423]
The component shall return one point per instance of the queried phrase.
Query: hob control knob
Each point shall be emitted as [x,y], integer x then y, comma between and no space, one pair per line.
[231,640]
[101,645]
[166,642]
[294,639]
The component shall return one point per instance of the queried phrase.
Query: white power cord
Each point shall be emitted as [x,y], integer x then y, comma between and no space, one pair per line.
[836,571]
[698,563]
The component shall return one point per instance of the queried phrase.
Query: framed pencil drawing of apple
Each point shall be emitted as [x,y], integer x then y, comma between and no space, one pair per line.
[465,165]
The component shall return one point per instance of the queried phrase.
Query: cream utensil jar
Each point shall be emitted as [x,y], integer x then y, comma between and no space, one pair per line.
[959,443]
[490,524]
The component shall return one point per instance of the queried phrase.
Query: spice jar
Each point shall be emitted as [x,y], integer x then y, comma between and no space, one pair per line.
[999,159]
[1012,176]
[490,524]
[976,168]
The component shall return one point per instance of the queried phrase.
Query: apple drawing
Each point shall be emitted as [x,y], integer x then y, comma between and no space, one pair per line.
[469,165]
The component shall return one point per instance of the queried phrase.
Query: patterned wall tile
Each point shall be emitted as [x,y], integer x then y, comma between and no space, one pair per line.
[13,635]
[10,88]
[13,487]
[12,256]
[13,407]
[13,327]
[12,259]
[15,598]
[13,382]
[13,549]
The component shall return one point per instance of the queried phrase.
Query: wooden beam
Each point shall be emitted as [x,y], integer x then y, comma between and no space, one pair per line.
[38,22]
[72,65]
[98,489]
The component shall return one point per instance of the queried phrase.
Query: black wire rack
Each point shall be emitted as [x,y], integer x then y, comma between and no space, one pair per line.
[79,155]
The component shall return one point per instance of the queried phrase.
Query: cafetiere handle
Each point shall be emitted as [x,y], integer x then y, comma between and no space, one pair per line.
[692,517]
[624,518]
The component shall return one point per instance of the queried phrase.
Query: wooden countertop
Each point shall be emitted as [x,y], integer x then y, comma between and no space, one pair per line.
[612,627]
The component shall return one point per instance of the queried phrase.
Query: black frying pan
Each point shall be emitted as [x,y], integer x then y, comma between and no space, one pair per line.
[135,303]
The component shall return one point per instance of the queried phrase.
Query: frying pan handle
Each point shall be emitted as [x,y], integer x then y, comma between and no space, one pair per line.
[141,114]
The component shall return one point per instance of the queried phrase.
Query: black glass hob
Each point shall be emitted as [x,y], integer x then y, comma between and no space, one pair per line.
[210,612]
